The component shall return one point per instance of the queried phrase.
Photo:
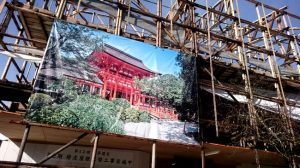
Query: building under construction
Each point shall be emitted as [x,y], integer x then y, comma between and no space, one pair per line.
[248,83]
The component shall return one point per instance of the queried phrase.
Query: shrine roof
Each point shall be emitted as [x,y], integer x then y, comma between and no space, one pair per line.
[119,54]
[71,69]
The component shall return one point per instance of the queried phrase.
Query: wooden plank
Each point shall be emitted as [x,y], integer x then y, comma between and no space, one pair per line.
[39,36]
[40,46]
[34,16]
[23,22]
[38,27]
[34,27]
[31,20]
[61,135]
[23,38]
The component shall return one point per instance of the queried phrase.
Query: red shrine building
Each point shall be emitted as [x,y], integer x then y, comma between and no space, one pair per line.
[117,71]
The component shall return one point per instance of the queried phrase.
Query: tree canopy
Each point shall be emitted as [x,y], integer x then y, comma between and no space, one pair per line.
[77,41]
[165,87]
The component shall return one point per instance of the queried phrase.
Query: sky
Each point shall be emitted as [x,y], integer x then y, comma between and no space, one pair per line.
[157,59]
[149,54]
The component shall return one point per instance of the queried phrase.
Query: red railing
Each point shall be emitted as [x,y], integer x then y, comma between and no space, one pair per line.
[160,112]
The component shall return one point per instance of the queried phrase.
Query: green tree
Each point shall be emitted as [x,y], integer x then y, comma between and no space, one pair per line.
[165,87]
[76,41]
[189,75]
[189,107]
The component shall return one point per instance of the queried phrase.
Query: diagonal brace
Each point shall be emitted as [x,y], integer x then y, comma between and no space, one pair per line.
[61,149]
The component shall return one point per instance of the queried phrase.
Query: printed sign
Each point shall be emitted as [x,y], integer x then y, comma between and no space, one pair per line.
[98,81]
[78,156]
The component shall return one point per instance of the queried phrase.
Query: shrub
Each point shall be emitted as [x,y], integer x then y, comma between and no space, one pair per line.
[86,111]
[144,116]
[120,102]
[134,115]
[130,115]
[38,100]
[83,110]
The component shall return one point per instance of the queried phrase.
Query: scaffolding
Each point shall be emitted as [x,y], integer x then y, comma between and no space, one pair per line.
[234,53]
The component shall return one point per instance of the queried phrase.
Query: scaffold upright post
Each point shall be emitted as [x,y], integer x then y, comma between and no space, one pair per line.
[153,155]
[94,154]
[23,143]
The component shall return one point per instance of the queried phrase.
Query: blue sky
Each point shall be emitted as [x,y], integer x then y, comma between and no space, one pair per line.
[157,59]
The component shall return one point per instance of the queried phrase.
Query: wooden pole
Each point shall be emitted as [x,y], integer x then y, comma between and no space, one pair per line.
[21,73]
[23,143]
[246,76]
[2,5]
[195,47]
[280,92]
[61,149]
[158,26]
[153,155]
[211,70]
[60,9]
[202,158]
[94,151]
[119,20]
[6,68]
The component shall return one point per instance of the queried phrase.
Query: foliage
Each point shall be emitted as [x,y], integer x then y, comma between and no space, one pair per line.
[77,41]
[188,74]
[144,116]
[165,87]
[121,103]
[39,100]
[135,115]
[71,44]
[189,106]
[74,108]
[180,92]
[86,111]
[130,115]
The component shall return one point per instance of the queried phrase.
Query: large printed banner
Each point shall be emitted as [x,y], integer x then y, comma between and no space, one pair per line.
[98,81]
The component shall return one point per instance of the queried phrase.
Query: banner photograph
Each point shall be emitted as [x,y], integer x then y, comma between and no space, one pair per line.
[94,80]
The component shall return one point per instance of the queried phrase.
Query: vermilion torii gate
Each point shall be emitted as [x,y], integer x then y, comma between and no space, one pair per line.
[118,70]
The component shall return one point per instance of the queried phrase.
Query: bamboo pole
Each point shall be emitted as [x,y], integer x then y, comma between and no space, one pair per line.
[119,20]
[23,143]
[153,155]
[6,68]
[94,153]
[60,9]
[158,23]
[195,44]
[294,43]
[211,70]
[248,89]
[280,92]
[202,158]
